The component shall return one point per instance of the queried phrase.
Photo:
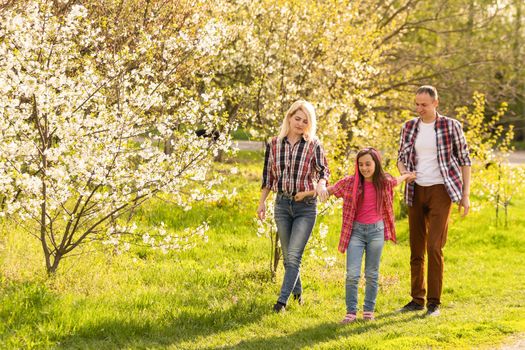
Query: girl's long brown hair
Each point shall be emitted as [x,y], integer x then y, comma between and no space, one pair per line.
[378,178]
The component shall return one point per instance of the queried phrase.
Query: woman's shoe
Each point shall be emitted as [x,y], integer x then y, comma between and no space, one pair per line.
[299,298]
[279,307]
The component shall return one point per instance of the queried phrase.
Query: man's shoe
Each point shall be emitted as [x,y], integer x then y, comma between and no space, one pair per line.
[412,306]
[299,298]
[433,310]
[279,307]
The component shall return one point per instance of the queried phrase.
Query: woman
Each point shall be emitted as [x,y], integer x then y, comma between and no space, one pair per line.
[294,162]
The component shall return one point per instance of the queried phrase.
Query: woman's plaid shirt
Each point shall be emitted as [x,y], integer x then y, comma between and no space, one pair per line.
[452,154]
[343,188]
[292,169]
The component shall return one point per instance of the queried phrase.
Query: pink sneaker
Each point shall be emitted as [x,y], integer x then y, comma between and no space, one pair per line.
[368,315]
[349,318]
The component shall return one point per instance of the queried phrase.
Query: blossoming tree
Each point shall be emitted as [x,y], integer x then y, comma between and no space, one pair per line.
[84,127]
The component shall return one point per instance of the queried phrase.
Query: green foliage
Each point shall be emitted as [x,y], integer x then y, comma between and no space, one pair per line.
[496,185]
[487,138]
[219,295]
[490,144]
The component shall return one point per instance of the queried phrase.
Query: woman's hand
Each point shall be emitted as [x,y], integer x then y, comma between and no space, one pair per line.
[299,196]
[302,195]
[321,191]
[261,211]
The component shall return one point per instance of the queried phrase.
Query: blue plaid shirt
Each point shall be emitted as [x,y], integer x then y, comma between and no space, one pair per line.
[452,154]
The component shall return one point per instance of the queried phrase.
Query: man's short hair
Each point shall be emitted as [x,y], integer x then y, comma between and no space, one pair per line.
[428,89]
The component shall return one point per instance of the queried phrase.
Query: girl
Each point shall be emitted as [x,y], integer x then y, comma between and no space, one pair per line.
[368,221]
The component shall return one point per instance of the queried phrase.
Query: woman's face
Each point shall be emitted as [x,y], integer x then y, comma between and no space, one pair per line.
[298,123]
[367,166]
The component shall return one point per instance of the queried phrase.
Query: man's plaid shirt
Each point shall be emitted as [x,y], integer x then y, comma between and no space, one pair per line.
[452,154]
[291,169]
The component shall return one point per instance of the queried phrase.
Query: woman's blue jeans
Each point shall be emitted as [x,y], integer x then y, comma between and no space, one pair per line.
[368,239]
[295,221]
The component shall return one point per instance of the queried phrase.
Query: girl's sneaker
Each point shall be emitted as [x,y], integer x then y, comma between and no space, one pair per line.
[349,318]
[368,315]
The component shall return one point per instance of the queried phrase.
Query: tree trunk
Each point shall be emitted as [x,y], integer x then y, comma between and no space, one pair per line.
[519,97]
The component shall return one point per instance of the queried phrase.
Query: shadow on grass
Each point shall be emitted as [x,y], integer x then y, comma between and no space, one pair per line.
[309,337]
[167,330]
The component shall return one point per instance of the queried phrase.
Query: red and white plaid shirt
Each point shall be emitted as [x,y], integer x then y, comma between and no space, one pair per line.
[452,154]
[292,169]
[343,188]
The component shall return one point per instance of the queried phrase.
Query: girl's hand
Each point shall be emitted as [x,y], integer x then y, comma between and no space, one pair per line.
[261,211]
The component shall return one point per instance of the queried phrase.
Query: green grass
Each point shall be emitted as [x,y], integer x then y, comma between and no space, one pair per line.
[219,295]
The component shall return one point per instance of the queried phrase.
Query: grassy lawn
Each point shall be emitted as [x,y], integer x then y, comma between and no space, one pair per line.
[219,295]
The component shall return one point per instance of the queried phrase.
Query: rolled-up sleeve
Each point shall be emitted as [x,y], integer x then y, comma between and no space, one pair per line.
[341,186]
[321,164]
[460,145]
[401,153]
[267,176]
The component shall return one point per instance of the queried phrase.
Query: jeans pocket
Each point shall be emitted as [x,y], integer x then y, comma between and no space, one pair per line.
[310,201]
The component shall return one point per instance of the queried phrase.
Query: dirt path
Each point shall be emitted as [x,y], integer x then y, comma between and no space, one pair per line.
[517,157]
[515,343]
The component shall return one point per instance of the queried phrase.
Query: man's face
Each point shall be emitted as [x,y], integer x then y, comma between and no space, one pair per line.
[426,105]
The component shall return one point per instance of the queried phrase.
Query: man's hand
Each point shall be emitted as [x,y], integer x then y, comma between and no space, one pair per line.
[465,203]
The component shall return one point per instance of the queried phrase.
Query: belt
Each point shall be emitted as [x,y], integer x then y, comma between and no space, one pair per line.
[285,195]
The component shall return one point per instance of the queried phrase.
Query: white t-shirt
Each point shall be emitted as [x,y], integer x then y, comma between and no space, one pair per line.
[427,166]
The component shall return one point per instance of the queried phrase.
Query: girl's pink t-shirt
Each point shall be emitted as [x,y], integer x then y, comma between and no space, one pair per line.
[367,208]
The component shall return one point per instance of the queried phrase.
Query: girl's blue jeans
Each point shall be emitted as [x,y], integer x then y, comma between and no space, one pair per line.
[295,221]
[368,239]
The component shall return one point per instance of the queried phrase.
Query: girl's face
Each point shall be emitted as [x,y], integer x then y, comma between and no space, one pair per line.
[367,166]
[298,122]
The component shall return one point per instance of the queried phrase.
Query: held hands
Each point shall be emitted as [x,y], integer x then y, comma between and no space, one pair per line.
[321,191]
[408,176]
[411,177]
[465,203]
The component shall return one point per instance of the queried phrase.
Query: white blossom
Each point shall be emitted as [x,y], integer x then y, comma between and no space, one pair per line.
[84,137]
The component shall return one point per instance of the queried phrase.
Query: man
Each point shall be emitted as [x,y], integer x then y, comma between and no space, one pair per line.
[434,147]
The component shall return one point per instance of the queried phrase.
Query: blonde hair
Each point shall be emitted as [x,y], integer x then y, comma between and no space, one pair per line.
[309,110]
